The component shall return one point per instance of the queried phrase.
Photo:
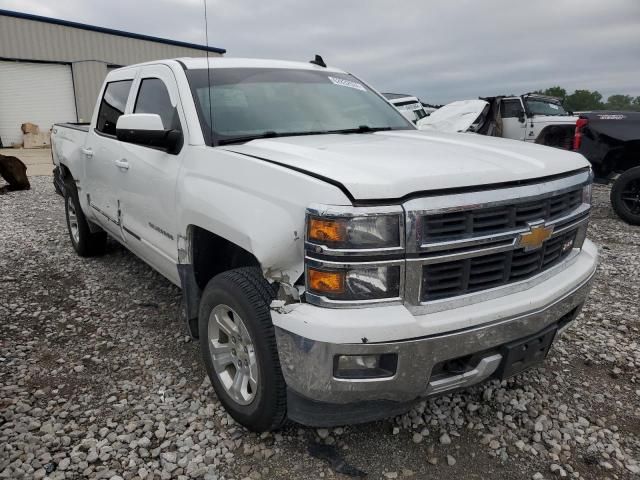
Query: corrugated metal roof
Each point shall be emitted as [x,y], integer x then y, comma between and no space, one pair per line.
[109,31]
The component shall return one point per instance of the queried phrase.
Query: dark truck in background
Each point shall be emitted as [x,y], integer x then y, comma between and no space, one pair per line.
[611,143]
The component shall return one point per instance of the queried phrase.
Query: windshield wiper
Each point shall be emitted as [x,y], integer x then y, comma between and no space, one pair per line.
[361,129]
[274,134]
[267,134]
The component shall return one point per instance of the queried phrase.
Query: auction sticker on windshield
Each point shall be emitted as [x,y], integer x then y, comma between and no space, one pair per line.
[346,83]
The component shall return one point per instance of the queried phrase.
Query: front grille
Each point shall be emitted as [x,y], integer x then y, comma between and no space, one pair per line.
[483,221]
[458,277]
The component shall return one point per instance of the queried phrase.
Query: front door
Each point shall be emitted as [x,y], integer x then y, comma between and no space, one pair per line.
[100,152]
[148,178]
[513,119]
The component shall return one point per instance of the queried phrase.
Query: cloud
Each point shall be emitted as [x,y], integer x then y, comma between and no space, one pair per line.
[439,50]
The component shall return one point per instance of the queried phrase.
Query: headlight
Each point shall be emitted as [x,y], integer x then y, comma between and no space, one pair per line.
[354,255]
[353,230]
[353,282]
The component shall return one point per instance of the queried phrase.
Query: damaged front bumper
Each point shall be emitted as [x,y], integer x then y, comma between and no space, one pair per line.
[431,364]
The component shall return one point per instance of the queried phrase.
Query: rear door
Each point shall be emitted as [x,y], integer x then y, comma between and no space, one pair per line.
[148,183]
[101,152]
[512,112]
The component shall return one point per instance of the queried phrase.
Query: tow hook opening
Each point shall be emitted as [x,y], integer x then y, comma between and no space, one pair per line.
[459,365]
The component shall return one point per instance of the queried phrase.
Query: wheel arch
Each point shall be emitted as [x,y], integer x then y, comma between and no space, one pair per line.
[203,254]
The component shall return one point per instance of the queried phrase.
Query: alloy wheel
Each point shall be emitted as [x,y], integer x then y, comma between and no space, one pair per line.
[232,354]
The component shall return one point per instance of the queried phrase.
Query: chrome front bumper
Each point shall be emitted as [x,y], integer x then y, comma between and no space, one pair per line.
[308,365]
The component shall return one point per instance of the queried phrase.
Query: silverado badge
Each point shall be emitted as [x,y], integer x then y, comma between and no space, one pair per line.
[536,236]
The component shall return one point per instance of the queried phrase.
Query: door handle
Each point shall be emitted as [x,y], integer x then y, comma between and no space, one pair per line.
[88,152]
[122,164]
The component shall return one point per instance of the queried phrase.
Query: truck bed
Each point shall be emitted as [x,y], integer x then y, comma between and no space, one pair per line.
[67,141]
[84,127]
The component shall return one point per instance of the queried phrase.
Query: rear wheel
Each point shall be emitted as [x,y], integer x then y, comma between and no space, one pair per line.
[625,196]
[85,243]
[239,349]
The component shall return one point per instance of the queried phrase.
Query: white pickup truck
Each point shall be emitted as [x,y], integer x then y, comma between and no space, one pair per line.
[530,117]
[336,263]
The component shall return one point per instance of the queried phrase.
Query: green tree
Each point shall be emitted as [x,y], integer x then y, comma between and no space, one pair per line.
[581,100]
[557,92]
[620,102]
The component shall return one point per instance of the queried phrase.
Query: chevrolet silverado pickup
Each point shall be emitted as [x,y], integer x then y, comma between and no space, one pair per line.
[336,263]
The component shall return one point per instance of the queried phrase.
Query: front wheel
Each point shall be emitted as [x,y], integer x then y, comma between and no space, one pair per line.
[625,196]
[239,349]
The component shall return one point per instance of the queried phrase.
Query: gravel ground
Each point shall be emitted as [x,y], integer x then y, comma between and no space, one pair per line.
[97,380]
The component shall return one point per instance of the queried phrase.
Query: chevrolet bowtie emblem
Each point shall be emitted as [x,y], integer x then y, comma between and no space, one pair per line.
[535,237]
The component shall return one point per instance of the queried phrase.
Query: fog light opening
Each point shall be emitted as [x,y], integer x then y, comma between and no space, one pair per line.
[365,366]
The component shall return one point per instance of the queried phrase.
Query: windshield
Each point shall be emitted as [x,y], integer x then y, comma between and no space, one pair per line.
[539,106]
[248,103]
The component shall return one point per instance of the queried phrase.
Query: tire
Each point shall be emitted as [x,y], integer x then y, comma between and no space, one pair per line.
[625,196]
[235,326]
[85,243]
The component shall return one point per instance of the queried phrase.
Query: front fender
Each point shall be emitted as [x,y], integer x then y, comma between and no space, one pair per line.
[256,205]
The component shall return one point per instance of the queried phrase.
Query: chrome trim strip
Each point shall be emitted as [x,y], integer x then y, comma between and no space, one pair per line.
[318,262]
[450,257]
[502,247]
[342,252]
[322,301]
[582,210]
[351,211]
[104,214]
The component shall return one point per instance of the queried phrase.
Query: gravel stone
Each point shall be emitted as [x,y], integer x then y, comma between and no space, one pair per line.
[141,407]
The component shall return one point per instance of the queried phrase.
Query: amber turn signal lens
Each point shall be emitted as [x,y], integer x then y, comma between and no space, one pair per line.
[326,282]
[326,230]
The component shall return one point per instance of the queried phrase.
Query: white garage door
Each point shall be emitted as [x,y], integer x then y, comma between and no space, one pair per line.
[39,93]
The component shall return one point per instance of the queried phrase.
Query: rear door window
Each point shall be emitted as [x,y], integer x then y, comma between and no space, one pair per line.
[511,108]
[153,97]
[112,106]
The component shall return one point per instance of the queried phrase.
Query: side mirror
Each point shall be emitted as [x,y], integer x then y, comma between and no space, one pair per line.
[147,129]
[521,117]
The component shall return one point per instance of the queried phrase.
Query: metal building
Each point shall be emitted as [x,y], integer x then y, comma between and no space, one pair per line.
[51,70]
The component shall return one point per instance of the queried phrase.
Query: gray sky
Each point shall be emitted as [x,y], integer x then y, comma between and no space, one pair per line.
[439,50]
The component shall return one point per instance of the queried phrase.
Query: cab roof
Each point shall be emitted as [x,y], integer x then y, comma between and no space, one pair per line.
[230,62]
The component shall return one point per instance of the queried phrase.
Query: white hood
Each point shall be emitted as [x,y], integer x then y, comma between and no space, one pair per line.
[390,165]
[454,117]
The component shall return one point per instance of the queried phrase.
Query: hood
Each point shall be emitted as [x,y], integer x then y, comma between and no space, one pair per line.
[555,119]
[454,117]
[391,165]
